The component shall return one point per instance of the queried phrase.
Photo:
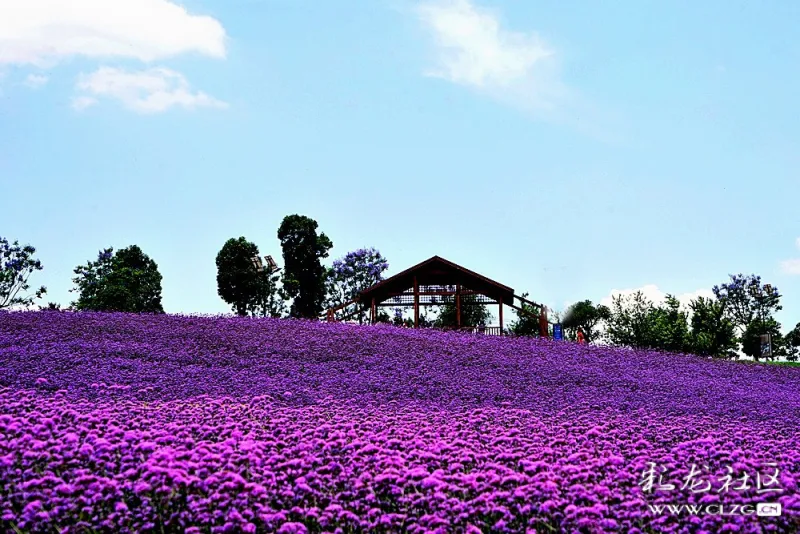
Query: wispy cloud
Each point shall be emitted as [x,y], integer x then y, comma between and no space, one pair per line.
[791,266]
[146,91]
[41,32]
[35,81]
[79,103]
[474,49]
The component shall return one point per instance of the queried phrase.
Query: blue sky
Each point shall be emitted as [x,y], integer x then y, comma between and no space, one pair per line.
[567,151]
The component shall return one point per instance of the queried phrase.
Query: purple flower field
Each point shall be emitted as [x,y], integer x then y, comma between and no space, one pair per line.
[125,423]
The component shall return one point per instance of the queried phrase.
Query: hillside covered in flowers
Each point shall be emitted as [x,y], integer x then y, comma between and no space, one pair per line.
[148,423]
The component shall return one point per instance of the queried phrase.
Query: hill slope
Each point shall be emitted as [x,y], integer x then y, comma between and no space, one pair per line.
[292,426]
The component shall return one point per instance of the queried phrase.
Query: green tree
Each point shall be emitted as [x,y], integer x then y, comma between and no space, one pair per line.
[16,266]
[268,300]
[303,273]
[527,321]
[240,283]
[127,281]
[352,274]
[586,316]
[237,276]
[473,313]
[793,337]
[632,321]
[747,301]
[751,340]
[712,331]
[792,343]
[637,322]
[671,326]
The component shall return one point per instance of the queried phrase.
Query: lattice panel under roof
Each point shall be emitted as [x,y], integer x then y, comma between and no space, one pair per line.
[435,295]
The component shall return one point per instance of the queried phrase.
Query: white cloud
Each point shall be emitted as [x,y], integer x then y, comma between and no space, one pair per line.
[147,91]
[35,81]
[40,32]
[686,298]
[473,49]
[82,102]
[791,266]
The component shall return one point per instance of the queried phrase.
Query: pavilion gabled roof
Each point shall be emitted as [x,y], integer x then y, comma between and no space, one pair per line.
[437,271]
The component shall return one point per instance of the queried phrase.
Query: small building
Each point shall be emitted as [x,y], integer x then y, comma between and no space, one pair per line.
[427,283]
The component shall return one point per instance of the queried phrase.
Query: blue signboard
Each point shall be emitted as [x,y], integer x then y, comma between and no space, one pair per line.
[557,334]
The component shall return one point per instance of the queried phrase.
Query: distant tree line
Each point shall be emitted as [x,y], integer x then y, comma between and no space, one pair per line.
[128,280]
[734,319]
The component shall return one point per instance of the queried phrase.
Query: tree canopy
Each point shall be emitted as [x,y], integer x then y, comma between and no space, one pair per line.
[125,281]
[17,263]
[353,273]
[712,331]
[635,321]
[750,305]
[240,283]
[304,276]
[586,316]
[792,343]
[632,321]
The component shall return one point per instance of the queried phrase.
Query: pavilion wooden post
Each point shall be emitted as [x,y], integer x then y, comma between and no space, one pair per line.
[458,305]
[372,312]
[500,313]
[543,323]
[416,303]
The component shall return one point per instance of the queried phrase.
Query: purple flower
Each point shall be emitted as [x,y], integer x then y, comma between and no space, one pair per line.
[235,425]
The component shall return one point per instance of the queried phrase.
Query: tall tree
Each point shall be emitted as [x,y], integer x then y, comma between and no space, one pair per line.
[16,266]
[631,322]
[240,283]
[792,344]
[352,274]
[747,299]
[303,273]
[268,300]
[127,281]
[586,316]
[751,340]
[671,326]
[713,332]
[637,322]
[237,276]
[750,305]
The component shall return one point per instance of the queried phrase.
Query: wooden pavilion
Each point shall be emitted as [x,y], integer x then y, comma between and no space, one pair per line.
[429,282]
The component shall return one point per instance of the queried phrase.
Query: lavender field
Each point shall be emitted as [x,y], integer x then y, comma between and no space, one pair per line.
[125,423]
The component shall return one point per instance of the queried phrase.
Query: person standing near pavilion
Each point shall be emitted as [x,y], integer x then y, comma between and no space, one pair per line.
[581,338]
